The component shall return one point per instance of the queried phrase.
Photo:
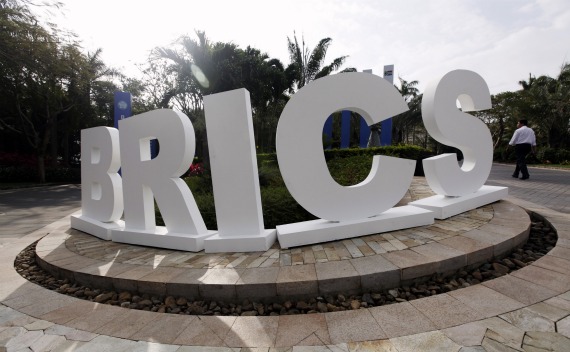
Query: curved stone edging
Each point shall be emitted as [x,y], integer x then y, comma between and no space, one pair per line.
[508,229]
[545,278]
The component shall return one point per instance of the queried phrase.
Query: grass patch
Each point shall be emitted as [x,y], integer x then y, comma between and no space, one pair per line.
[552,166]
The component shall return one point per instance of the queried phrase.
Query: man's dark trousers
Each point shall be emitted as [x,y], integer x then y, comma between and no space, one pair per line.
[522,150]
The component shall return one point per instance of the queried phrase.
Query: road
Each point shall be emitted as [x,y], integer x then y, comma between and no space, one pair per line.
[546,187]
[25,210]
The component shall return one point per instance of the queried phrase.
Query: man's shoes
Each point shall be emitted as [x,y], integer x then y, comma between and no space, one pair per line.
[524,178]
[515,176]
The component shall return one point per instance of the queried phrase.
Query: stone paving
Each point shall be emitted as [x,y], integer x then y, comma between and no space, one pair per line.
[374,262]
[527,310]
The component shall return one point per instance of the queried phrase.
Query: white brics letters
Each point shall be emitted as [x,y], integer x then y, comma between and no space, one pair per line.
[234,175]
[300,148]
[146,179]
[102,187]
[450,126]
[458,188]
[344,212]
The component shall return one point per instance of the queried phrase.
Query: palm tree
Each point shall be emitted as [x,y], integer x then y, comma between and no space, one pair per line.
[307,65]
[528,84]
[203,68]
[408,90]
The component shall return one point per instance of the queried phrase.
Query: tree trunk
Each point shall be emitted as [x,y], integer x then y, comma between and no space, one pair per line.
[41,169]
[41,152]
[66,148]
[53,145]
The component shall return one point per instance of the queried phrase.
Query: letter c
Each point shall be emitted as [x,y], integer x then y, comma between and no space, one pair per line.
[300,150]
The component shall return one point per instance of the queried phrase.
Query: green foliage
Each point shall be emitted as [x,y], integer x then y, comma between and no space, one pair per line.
[49,89]
[347,167]
[544,101]
[504,154]
[307,65]
[269,175]
[266,158]
[280,208]
[199,184]
[29,174]
[401,151]
[553,156]
[544,155]
[350,170]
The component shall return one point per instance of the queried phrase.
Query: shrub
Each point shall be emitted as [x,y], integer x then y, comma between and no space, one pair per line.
[17,159]
[553,155]
[30,174]
[347,167]
[547,156]
[563,156]
[269,175]
[18,174]
[400,151]
[350,170]
[199,184]
[280,208]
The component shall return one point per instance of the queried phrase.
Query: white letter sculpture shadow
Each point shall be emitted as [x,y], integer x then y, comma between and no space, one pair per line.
[145,179]
[351,211]
[101,188]
[458,188]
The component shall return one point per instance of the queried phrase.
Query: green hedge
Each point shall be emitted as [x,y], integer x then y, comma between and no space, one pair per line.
[347,167]
[279,208]
[543,155]
[553,156]
[30,174]
[401,151]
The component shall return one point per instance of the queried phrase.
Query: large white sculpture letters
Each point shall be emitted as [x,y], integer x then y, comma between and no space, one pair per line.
[344,211]
[234,175]
[450,126]
[101,187]
[146,179]
[355,209]
[300,148]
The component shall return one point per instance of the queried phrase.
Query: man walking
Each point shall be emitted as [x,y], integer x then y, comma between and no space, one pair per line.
[524,142]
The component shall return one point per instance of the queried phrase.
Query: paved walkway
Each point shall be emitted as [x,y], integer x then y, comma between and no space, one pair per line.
[534,301]
[546,187]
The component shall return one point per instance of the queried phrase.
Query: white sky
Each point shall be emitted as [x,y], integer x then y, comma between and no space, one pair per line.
[502,40]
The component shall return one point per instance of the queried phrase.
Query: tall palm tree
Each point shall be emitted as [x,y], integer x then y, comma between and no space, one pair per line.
[406,123]
[408,90]
[528,84]
[307,65]
[203,67]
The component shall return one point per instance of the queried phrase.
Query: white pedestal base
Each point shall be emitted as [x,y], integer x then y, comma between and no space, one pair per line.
[162,239]
[94,227]
[255,243]
[316,231]
[445,207]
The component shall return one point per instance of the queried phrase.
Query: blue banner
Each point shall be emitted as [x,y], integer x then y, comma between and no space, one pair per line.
[123,103]
[345,129]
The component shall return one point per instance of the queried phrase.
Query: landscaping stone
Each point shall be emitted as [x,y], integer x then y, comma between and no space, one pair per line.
[539,242]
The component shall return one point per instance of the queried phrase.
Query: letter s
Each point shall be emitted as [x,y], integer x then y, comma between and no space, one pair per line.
[451,126]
